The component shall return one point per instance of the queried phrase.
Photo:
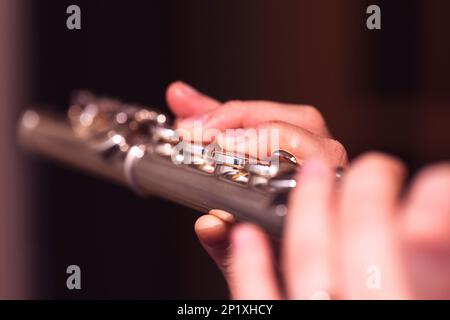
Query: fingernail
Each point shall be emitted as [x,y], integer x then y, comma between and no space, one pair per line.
[187,89]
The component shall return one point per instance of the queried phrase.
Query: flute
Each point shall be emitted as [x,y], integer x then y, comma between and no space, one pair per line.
[135,146]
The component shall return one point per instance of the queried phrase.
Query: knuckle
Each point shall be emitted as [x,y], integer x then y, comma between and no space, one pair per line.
[338,151]
[270,125]
[313,114]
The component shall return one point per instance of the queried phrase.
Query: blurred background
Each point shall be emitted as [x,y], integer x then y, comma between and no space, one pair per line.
[387,90]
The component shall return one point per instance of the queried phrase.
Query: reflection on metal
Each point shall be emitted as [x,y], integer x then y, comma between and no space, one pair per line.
[137,146]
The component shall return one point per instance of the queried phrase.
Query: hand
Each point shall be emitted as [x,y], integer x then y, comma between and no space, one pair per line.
[364,241]
[302,131]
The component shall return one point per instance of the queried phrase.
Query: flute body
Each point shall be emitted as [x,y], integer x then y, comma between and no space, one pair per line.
[134,146]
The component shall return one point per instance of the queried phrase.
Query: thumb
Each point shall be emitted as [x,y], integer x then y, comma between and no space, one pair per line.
[213,232]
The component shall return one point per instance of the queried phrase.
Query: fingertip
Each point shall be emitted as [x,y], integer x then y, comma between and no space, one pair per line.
[315,177]
[172,89]
[373,179]
[432,184]
[186,101]
[427,207]
[375,162]
[181,88]
[212,231]
[176,95]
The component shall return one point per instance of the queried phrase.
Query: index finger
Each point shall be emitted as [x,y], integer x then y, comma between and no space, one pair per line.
[185,101]
[242,114]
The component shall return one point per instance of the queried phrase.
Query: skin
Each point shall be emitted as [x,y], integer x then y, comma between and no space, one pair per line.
[335,235]
[302,128]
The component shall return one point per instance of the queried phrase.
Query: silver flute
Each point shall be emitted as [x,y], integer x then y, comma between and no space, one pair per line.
[135,145]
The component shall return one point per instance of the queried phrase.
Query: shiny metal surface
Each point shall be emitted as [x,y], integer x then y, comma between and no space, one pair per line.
[136,147]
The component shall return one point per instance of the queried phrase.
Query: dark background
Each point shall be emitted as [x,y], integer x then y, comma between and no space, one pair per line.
[386,90]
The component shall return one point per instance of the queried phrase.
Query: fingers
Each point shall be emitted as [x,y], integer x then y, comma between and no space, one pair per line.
[426,211]
[185,101]
[213,232]
[242,114]
[302,128]
[308,235]
[370,258]
[425,226]
[233,258]
[251,265]
[268,137]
